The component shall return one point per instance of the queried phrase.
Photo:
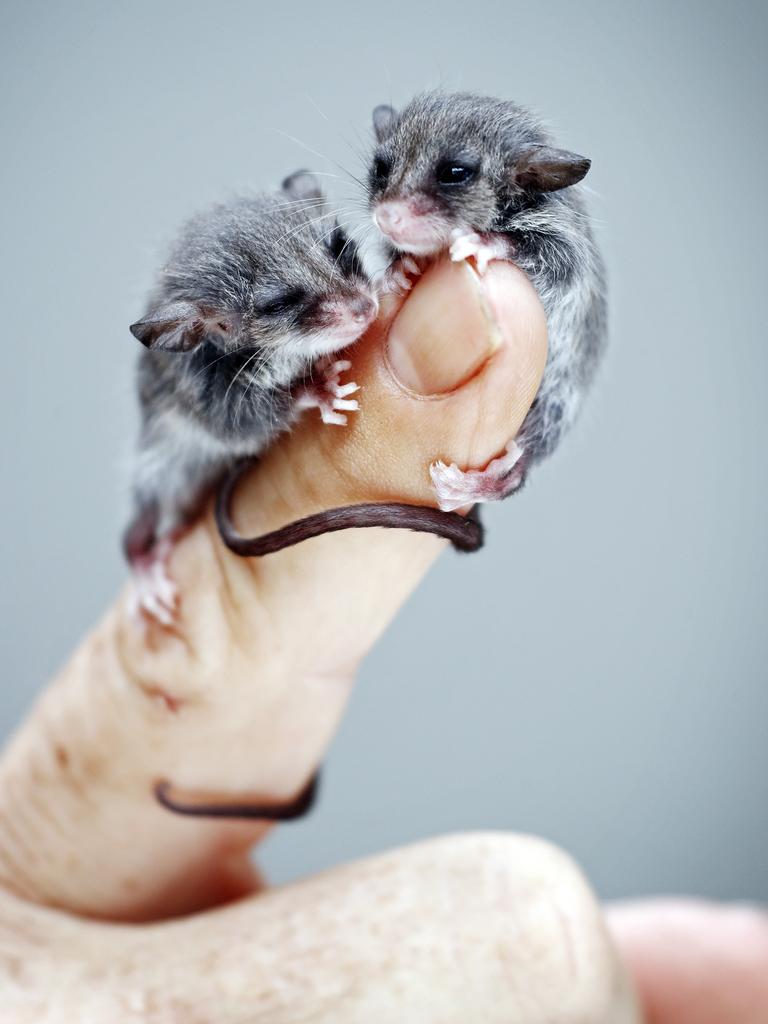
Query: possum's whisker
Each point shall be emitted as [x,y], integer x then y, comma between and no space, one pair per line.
[253,377]
[207,366]
[317,108]
[350,241]
[303,226]
[231,384]
[324,236]
[362,149]
[361,153]
[314,152]
[328,174]
[302,204]
[298,142]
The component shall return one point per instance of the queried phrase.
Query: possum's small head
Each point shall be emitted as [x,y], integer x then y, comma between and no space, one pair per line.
[450,164]
[275,273]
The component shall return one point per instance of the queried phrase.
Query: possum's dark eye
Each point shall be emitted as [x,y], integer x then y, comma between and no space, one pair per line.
[380,171]
[456,172]
[281,302]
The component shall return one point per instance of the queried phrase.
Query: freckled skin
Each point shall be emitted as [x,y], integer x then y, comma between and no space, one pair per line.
[521,197]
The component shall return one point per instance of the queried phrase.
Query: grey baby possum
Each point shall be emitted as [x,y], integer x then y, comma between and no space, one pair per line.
[255,297]
[479,177]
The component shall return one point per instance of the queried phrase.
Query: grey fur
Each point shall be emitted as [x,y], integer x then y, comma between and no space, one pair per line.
[548,231]
[241,310]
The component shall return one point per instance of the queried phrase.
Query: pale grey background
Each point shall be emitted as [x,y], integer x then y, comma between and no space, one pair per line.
[598,674]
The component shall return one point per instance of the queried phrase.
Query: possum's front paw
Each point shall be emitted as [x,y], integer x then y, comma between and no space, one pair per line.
[481,248]
[401,275]
[328,394]
[457,488]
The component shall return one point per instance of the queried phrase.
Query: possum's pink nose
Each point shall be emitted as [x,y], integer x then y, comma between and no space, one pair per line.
[349,316]
[413,224]
[392,217]
[363,310]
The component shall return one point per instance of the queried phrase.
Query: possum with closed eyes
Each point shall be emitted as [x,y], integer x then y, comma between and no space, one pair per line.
[481,179]
[256,296]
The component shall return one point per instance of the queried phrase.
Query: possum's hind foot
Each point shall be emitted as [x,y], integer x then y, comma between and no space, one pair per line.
[328,394]
[456,488]
[155,595]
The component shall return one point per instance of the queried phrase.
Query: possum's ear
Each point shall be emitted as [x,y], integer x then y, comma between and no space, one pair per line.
[384,118]
[547,170]
[303,185]
[175,327]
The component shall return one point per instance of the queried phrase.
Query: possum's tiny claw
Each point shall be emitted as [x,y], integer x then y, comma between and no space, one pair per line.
[328,395]
[398,276]
[342,390]
[396,283]
[347,404]
[165,589]
[155,595]
[464,246]
[154,608]
[338,367]
[334,418]
[481,248]
[456,488]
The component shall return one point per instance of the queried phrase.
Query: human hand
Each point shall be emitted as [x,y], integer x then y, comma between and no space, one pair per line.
[243,699]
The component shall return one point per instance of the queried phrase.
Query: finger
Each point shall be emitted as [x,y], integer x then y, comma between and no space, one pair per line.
[485,928]
[243,697]
[695,962]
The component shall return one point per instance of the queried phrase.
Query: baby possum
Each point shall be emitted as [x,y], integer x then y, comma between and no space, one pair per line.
[256,295]
[479,177]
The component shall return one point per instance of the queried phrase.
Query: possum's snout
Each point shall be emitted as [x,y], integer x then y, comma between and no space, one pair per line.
[413,225]
[362,310]
[349,316]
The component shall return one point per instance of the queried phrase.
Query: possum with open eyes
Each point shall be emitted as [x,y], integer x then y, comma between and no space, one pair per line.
[480,178]
[256,296]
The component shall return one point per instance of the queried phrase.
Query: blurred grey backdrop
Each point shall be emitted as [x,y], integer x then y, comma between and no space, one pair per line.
[598,674]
